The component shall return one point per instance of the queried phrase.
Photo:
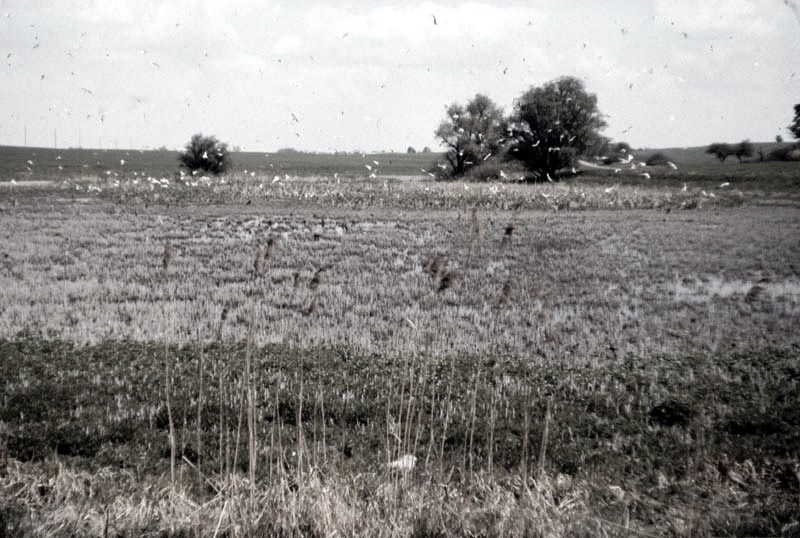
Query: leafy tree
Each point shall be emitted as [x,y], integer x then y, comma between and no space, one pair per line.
[794,127]
[553,124]
[471,133]
[600,147]
[779,139]
[744,149]
[411,149]
[721,150]
[205,153]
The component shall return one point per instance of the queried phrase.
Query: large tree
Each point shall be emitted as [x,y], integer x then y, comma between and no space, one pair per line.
[551,125]
[794,127]
[472,133]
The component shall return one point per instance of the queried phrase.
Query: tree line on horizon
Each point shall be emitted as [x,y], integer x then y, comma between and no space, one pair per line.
[547,130]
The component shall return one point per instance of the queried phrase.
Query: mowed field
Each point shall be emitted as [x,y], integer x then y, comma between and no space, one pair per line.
[245,355]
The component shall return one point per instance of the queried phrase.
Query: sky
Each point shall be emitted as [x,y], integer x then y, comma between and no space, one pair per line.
[377,76]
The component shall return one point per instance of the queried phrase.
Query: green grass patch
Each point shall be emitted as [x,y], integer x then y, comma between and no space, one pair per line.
[670,431]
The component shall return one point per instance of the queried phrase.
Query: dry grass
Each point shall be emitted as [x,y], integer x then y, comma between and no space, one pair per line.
[112,502]
[573,287]
[590,192]
[589,298]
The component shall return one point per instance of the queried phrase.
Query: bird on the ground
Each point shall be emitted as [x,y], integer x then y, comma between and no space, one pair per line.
[403,463]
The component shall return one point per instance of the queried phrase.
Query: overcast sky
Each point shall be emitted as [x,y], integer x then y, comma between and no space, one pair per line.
[327,76]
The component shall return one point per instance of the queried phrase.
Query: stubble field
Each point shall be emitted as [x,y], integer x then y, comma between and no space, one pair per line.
[591,358]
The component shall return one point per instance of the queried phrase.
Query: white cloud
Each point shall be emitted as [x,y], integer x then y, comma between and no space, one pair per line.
[714,16]
[287,44]
[420,23]
[250,64]
[395,66]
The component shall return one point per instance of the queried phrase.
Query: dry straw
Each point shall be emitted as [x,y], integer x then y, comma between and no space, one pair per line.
[507,293]
[317,279]
[447,281]
[258,263]
[167,259]
[434,266]
[755,294]
[506,240]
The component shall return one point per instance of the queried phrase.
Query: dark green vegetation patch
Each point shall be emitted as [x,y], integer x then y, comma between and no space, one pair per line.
[636,421]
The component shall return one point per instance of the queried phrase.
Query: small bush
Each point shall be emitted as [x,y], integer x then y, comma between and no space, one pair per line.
[495,170]
[784,153]
[657,159]
[205,153]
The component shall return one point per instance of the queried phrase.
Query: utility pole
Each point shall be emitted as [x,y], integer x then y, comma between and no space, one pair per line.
[55,138]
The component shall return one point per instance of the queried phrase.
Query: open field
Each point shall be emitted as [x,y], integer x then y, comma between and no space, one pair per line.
[599,357]
[22,163]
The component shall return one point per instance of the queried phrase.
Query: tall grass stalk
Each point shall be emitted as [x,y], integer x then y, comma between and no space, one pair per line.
[398,428]
[412,399]
[251,414]
[468,456]
[545,433]
[199,431]
[300,438]
[423,398]
[275,420]
[443,438]
[491,427]
[523,459]
[168,402]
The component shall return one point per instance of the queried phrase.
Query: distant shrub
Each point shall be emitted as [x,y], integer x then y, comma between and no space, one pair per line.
[657,159]
[784,153]
[721,150]
[744,148]
[205,153]
[488,171]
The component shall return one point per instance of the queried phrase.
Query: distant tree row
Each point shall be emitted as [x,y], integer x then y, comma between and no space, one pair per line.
[411,149]
[548,129]
[745,148]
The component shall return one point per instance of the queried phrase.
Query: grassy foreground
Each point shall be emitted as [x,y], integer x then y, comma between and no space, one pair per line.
[695,445]
[174,367]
